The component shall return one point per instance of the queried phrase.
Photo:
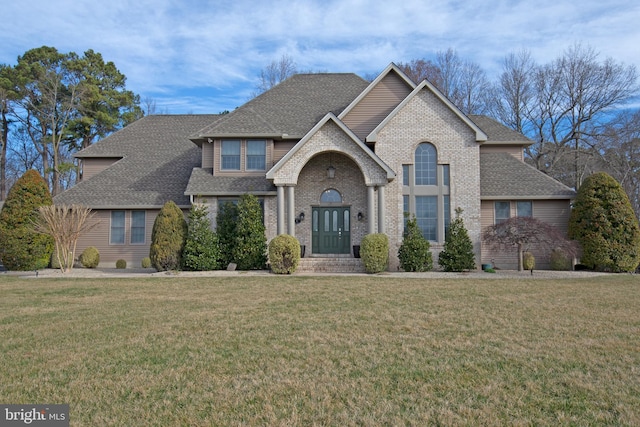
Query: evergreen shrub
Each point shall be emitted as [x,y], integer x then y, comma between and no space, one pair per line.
[90,257]
[250,241]
[168,238]
[121,264]
[415,251]
[604,223]
[374,250]
[559,260]
[21,247]
[201,251]
[528,261]
[457,254]
[284,254]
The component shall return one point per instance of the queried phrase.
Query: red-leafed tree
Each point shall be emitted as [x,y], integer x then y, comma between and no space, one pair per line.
[525,233]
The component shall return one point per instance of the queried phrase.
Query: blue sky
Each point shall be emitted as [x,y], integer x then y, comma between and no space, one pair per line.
[198,56]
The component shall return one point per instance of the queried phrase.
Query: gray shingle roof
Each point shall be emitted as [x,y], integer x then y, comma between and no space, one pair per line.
[203,182]
[293,107]
[502,176]
[499,133]
[157,159]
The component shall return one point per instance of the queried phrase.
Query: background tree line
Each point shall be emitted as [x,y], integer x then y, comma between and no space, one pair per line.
[577,109]
[53,104]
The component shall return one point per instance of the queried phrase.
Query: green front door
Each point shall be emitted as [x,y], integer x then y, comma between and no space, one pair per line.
[331,230]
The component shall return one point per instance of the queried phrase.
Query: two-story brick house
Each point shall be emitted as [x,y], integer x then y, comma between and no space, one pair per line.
[332,158]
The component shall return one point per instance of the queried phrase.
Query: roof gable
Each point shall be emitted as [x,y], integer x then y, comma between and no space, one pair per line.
[330,118]
[426,85]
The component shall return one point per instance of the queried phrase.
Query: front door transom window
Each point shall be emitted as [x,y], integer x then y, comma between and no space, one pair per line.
[331,195]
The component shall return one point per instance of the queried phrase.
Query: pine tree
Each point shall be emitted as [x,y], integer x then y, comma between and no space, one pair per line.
[458,248]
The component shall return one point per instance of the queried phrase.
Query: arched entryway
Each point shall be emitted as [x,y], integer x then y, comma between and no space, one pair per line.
[331,224]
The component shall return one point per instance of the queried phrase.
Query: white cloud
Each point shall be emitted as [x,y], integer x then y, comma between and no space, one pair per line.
[165,47]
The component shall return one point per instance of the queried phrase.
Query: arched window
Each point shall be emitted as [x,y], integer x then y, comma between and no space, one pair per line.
[331,196]
[426,164]
[426,192]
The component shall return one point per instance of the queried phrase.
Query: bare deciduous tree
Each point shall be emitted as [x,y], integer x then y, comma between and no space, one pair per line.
[571,97]
[275,72]
[65,224]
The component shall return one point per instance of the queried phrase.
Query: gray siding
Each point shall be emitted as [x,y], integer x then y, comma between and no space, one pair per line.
[515,151]
[554,212]
[109,254]
[377,105]
[93,166]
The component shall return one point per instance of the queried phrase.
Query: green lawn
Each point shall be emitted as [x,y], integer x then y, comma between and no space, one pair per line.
[339,351]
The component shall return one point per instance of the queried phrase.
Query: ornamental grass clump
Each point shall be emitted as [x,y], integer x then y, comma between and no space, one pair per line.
[284,254]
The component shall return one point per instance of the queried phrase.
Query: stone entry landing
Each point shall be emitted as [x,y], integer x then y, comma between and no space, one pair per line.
[330,265]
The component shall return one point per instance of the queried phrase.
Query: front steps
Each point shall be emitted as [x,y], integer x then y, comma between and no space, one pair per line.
[330,265]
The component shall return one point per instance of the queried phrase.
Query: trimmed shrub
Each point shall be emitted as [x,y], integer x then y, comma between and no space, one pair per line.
[90,257]
[284,254]
[604,223]
[528,261]
[167,238]
[146,262]
[415,251]
[201,251]
[559,260]
[374,250]
[457,254]
[55,263]
[121,264]
[21,247]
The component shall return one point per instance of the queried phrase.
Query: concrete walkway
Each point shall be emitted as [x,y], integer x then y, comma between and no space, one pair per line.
[152,273]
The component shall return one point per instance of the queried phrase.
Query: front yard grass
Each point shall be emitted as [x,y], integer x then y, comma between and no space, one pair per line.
[345,350]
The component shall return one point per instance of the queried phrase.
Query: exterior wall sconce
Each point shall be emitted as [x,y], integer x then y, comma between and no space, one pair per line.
[331,172]
[300,218]
[360,216]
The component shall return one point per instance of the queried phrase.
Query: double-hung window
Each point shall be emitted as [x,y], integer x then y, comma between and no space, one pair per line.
[116,234]
[138,219]
[230,159]
[256,155]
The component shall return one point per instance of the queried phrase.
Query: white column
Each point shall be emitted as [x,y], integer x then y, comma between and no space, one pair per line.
[370,210]
[281,217]
[291,215]
[381,206]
